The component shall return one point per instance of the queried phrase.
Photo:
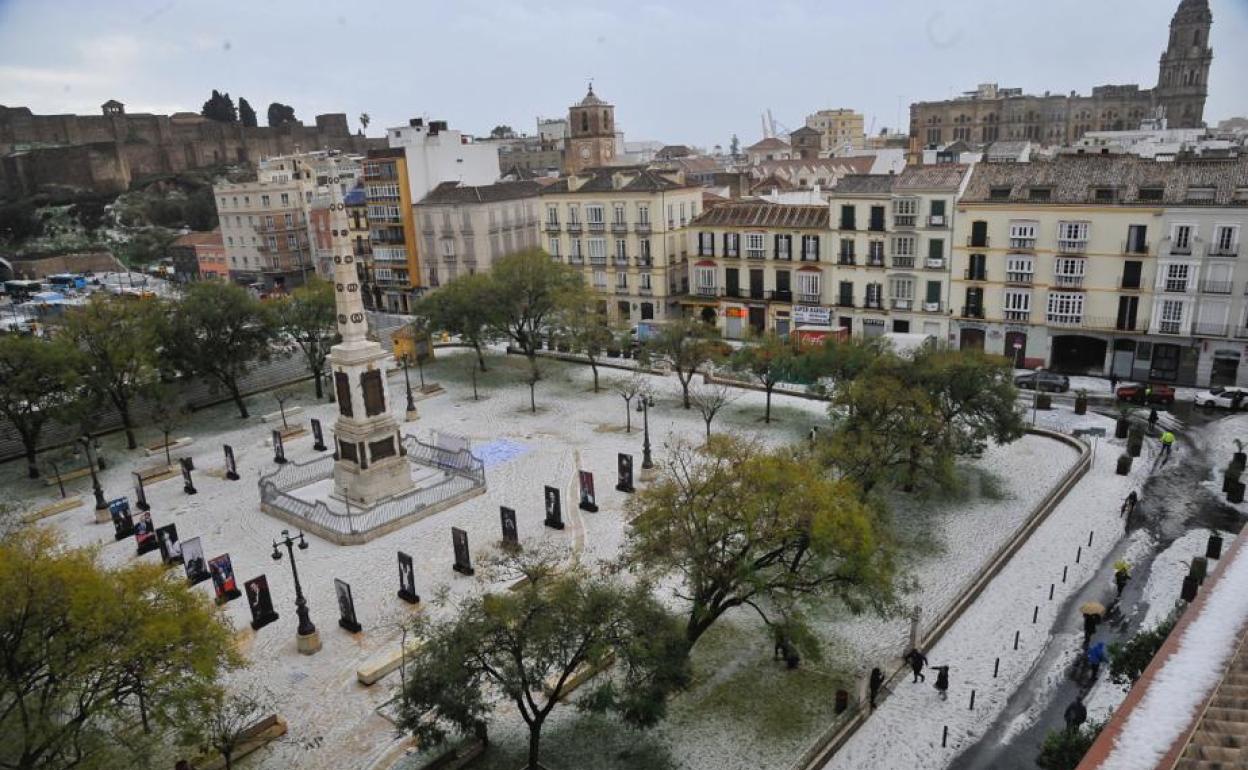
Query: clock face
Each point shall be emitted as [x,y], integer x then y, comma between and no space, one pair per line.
[585,153]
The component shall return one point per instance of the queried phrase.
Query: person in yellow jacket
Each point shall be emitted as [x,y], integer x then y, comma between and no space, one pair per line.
[1167,441]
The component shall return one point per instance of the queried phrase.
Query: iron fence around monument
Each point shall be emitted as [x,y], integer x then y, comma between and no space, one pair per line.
[463,475]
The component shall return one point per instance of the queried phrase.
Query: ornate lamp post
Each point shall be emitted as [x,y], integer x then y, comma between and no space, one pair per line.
[647,464]
[308,640]
[100,505]
[407,381]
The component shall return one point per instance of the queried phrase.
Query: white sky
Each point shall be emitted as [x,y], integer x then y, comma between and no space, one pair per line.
[682,71]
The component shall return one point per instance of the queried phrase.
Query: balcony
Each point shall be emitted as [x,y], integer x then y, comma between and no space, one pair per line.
[845,258]
[903,262]
[642,228]
[1019,278]
[1068,281]
[1224,251]
[877,261]
[1132,284]
[844,301]
[972,274]
[706,291]
[808,299]
[904,220]
[1216,287]
[1169,327]
[1104,323]
[550,227]
[873,304]
[574,228]
[733,292]
[645,291]
[972,311]
[756,254]
[644,262]
[619,228]
[576,259]
[1023,316]
[1023,244]
[932,307]
[1175,287]
[1210,330]
[810,256]
[977,243]
[937,220]
[1181,249]
[598,261]
[876,226]
[848,224]
[619,261]
[597,227]
[1135,247]
[621,290]
[934,263]
[782,295]
[901,304]
[731,254]
[1071,246]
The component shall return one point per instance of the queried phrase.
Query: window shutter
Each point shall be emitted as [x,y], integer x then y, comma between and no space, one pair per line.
[776,248]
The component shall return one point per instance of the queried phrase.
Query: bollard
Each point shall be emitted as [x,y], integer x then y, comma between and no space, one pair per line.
[1090,534]
[996,666]
[1078,554]
[972,706]
[1063,573]
[1213,549]
[1035,613]
[1016,640]
[1050,592]
[944,737]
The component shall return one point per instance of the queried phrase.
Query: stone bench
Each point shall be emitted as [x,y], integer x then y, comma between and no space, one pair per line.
[51,510]
[158,472]
[50,477]
[151,450]
[377,667]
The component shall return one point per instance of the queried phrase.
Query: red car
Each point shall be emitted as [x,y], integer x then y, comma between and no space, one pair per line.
[1159,394]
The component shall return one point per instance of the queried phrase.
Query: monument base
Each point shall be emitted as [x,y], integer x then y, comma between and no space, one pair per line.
[350,625]
[412,414]
[409,597]
[102,516]
[553,524]
[590,507]
[229,596]
[263,621]
[461,569]
[308,644]
[626,488]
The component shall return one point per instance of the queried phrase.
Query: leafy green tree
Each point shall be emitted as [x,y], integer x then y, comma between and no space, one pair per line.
[524,646]
[770,361]
[119,339]
[502,132]
[246,114]
[685,345]
[280,114]
[1064,749]
[88,651]
[145,246]
[220,107]
[580,325]
[308,317]
[742,526]
[974,396]
[465,308]
[734,146]
[218,331]
[529,289]
[1127,660]
[38,380]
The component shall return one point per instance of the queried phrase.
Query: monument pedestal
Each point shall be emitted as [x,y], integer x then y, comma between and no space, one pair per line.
[412,414]
[102,516]
[648,474]
[308,644]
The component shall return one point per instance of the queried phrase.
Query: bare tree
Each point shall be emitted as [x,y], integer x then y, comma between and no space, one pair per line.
[709,399]
[281,396]
[228,721]
[632,387]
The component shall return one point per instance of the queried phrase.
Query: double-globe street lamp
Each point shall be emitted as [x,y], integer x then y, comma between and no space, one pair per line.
[309,641]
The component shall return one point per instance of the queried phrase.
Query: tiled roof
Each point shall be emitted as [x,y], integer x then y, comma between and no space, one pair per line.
[770,143]
[210,238]
[804,130]
[865,184]
[773,182]
[1073,179]
[857,164]
[454,192]
[944,176]
[635,179]
[773,215]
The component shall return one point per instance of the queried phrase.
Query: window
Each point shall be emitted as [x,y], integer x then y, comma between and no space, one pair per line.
[732,243]
[230,241]
[938,213]
[618,213]
[1065,307]
[1223,241]
[574,214]
[1016,305]
[999,194]
[554,247]
[1176,277]
[264,201]
[1137,239]
[621,280]
[682,215]
[644,245]
[593,216]
[784,247]
[289,220]
[875,253]
[645,281]
[600,280]
[285,199]
[935,252]
[291,241]
[874,296]
[905,211]
[671,216]
[1018,269]
[552,215]
[576,254]
[810,248]
[902,292]
[1201,194]
[1181,239]
[448,247]
[1069,271]
[1023,235]
[754,248]
[1104,195]
[876,222]
[621,250]
[1171,316]
[597,251]
[643,214]
[808,287]
[706,244]
[1039,194]
[271,242]
[268,222]
[847,217]
[705,279]
[647,309]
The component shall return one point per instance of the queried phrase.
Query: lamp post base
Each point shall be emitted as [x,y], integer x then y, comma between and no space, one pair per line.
[308,644]
[412,414]
[102,517]
[648,474]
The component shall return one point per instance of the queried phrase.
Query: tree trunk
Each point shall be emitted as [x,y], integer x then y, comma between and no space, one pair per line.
[168,458]
[628,415]
[684,387]
[708,431]
[238,399]
[767,411]
[535,739]
[474,384]
[532,398]
[480,355]
[594,366]
[32,468]
[228,755]
[123,409]
[320,391]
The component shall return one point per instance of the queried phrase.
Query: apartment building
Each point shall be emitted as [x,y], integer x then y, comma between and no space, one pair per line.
[435,154]
[625,228]
[465,229]
[392,238]
[759,268]
[891,240]
[839,129]
[1106,265]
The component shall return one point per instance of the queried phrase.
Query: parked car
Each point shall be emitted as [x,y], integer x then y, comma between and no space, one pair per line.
[1134,392]
[1042,380]
[1221,397]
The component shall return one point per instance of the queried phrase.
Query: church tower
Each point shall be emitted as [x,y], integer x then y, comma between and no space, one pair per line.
[1183,76]
[591,134]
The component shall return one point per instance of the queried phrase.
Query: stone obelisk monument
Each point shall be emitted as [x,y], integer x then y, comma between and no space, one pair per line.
[371,465]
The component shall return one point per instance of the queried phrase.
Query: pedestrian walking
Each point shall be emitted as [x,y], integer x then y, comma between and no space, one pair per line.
[1076,714]
[1167,442]
[1152,420]
[1096,656]
[1237,399]
[1090,621]
[942,681]
[875,683]
[917,661]
[1122,573]
[1128,505]
[1113,383]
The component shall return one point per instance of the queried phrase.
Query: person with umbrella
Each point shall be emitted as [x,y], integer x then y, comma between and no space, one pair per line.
[1167,443]
[917,661]
[1092,614]
[942,681]
[1122,573]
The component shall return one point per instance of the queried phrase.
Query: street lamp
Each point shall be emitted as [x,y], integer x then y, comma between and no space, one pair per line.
[407,381]
[647,464]
[309,641]
[95,479]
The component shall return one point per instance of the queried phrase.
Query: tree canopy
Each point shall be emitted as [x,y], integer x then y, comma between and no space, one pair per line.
[220,107]
[742,526]
[38,379]
[583,328]
[280,114]
[308,316]
[769,361]
[685,345]
[464,307]
[246,113]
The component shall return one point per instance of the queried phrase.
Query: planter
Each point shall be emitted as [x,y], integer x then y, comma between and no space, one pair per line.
[1199,569]
[1236,493]
[1044,401]
[1124,465]
[1213,550]
[1122,427]
[1135,443]
[1081,404]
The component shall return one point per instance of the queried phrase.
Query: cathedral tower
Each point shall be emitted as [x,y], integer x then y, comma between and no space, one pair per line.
[591,134]
[1183,75]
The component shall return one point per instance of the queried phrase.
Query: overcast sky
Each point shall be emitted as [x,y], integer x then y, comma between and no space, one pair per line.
[680,71]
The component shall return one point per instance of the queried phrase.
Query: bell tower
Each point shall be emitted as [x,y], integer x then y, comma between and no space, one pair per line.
[591,134]
[1183,74]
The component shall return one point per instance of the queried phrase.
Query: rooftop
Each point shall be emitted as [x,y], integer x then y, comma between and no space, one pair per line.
[943,176]
[770,143]
[617,179]
[865,184]
[455,192]
[210,238]
[772,215]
